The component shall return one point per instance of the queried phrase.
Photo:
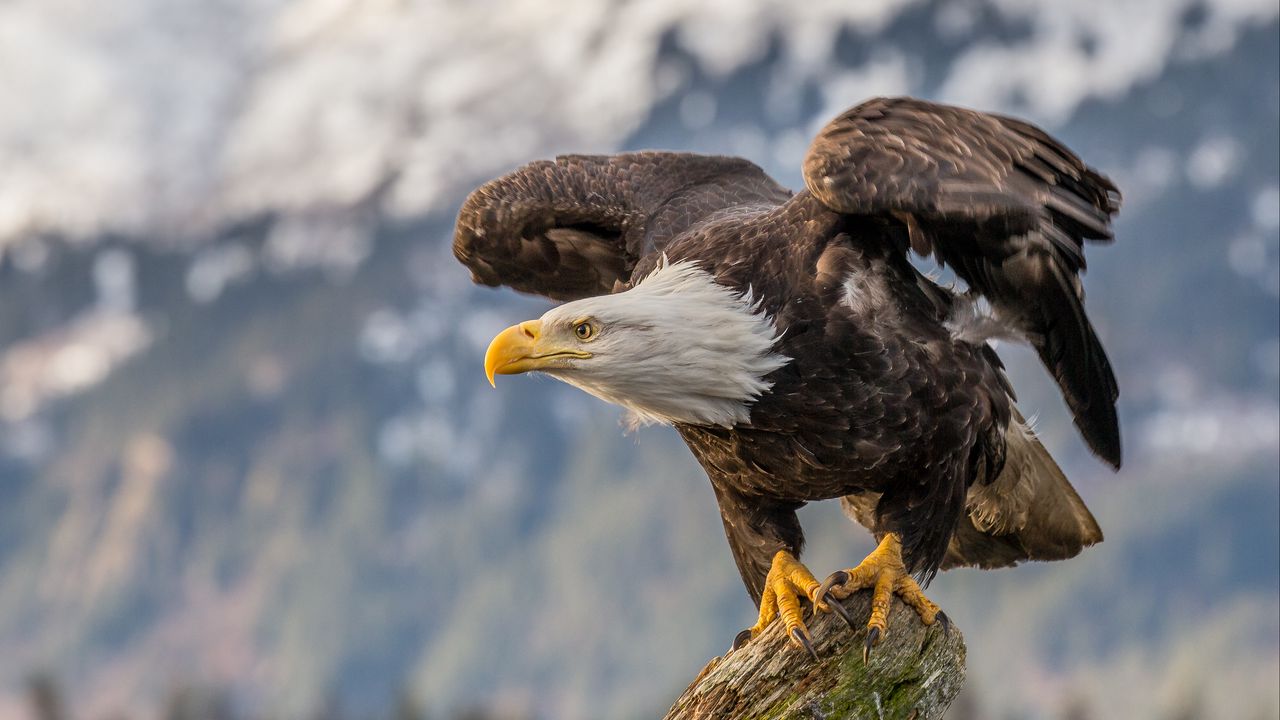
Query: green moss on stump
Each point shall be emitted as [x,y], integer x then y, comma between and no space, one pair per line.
[914,673]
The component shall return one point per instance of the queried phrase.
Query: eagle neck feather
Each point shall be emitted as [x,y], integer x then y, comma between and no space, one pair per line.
[679,348]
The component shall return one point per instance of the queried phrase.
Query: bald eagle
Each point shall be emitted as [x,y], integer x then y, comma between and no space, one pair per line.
[802,357]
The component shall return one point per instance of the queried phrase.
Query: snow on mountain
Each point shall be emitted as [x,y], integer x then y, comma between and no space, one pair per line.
[169,119]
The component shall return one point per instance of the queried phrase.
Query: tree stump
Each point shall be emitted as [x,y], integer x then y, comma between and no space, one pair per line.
[913,674]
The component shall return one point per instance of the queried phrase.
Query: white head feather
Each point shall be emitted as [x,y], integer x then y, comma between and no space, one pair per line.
[677,348]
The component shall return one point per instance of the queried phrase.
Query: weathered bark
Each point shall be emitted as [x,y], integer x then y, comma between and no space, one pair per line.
[913,673]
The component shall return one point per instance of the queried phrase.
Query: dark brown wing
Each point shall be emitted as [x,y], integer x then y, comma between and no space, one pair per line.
[576,226]
[1001,202]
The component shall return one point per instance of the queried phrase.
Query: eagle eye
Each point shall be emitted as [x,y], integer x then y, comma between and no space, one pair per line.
[584,331]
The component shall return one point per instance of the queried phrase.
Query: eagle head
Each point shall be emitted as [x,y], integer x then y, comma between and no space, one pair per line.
[679,347]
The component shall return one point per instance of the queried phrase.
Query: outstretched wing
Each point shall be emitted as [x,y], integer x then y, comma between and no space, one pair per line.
[1002,203]
[576,226]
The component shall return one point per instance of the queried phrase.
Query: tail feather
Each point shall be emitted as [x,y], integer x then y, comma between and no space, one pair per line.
[1029,512]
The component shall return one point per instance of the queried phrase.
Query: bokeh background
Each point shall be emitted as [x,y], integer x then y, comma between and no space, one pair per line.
[249,463]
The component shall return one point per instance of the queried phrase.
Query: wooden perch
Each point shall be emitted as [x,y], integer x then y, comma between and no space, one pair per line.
[913,674]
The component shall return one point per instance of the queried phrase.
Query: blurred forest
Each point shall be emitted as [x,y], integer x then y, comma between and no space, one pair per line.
[47,702]
[249,462]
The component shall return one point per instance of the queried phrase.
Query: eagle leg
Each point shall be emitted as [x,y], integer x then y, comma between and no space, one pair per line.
[884,572]
[788,581]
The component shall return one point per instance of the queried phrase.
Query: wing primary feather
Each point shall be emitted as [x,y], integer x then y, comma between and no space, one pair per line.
[1002,202]
[578,225]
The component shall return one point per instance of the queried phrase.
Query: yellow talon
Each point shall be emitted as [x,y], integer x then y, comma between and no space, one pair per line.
[788,580]
[884,571]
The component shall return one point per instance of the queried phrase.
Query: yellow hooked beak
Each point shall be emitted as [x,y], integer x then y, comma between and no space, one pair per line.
[521,348]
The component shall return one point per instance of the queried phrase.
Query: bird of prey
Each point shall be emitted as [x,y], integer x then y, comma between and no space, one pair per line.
[801,356]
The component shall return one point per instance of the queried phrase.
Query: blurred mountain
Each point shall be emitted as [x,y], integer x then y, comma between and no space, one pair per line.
[245,439]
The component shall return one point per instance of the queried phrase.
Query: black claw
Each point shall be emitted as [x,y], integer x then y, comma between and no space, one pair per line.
[946,623]
[740,640]
[798,635]
[838,577]
[873,637]
[838,608]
